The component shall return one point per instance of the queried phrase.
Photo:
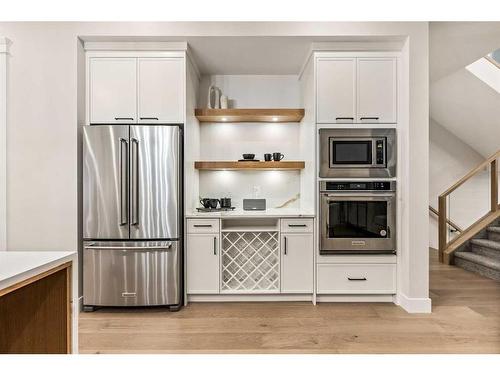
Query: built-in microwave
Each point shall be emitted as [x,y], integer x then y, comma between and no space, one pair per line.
[347,153]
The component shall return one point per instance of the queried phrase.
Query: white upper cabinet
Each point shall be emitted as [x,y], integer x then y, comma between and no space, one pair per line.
[112,85]
[377,90]
[336,83]
[356,90]
[161,90]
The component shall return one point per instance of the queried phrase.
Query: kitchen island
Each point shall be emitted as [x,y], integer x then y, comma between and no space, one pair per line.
[37,311]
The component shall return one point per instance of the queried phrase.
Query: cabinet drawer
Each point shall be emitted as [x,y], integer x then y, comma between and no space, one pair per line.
[296,225]
[356,279]
[203,226]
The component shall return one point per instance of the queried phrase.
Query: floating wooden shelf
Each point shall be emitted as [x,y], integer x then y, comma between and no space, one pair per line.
[248,165]
[249,115]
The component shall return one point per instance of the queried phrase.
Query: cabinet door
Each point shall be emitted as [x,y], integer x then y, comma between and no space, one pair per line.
[161,90]
[336,83]
[297,263]
[202,264]
[113,90]
[377,90]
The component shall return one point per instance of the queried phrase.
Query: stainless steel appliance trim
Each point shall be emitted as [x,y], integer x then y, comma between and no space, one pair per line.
[357,170]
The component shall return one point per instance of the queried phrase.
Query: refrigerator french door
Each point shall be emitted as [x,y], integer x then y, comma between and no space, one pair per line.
[131,215]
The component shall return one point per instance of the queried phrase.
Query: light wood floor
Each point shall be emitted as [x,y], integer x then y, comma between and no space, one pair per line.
[465,319]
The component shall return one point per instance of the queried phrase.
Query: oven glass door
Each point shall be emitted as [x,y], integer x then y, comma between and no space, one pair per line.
[357,223]
[357,219]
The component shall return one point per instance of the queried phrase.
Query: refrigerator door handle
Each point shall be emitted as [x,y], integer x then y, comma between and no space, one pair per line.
[135,182]
[96,247]
[123,173]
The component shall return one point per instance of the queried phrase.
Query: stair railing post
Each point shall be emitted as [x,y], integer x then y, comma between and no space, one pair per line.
[442,235]
[494,185]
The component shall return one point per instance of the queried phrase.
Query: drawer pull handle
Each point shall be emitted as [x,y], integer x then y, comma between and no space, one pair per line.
[344,118]
[148,118]
[215,245]
[124,118]
[297,225]
[129,294]
[368,118]
[202,225]
[356,278]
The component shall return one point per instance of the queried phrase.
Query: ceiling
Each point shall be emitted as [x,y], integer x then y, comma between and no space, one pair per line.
[260,54]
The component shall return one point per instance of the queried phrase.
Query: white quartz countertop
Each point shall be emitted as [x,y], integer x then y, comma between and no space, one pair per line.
[17,266]
[238,212]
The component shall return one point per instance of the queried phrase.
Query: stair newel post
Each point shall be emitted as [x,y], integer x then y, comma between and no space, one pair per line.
[442,235]
[494,185]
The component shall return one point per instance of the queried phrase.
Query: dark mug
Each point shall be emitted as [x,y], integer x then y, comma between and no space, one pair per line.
[225,203]
[277,156]
[268,157]
[213,203]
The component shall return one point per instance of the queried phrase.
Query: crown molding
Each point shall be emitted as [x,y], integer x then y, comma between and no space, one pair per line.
[134,46]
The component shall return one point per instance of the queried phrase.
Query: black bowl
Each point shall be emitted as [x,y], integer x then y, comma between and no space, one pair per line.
[248,156]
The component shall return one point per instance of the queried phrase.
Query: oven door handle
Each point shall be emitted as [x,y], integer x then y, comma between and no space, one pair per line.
[358,195]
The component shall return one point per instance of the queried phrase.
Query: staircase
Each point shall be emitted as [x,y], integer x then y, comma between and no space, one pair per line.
[482,253]
[476,248]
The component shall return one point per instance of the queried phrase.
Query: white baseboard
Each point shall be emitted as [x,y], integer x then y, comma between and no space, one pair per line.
[249,297]
[414,305]
[355,298]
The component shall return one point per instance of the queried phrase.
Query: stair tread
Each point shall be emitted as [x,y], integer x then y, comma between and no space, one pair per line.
[479,259]
[494,229]
[486,243]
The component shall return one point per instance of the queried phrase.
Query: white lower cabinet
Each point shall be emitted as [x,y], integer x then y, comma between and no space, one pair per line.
[297,262]
[356,279]
[202,258]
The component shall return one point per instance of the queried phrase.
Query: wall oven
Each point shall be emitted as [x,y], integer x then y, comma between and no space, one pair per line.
[347,153]
[357,217]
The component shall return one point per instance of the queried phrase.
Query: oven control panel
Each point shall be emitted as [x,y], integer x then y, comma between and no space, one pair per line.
[358,186]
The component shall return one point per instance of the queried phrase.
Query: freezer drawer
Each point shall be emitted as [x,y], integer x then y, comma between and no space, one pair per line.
[131,273]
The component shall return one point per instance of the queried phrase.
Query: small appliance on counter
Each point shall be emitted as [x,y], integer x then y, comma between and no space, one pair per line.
[254,204]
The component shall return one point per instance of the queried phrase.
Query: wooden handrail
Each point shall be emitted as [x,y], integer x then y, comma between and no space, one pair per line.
[448,221]
[448,248]
[464,179]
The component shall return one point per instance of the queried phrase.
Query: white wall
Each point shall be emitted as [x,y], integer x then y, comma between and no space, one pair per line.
[42,125]
[4,50]
[449,160]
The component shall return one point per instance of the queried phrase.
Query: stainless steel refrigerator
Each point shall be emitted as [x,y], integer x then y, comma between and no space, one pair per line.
[132,210]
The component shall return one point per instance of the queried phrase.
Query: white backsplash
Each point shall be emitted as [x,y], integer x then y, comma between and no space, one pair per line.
[277,187]
[229,141]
